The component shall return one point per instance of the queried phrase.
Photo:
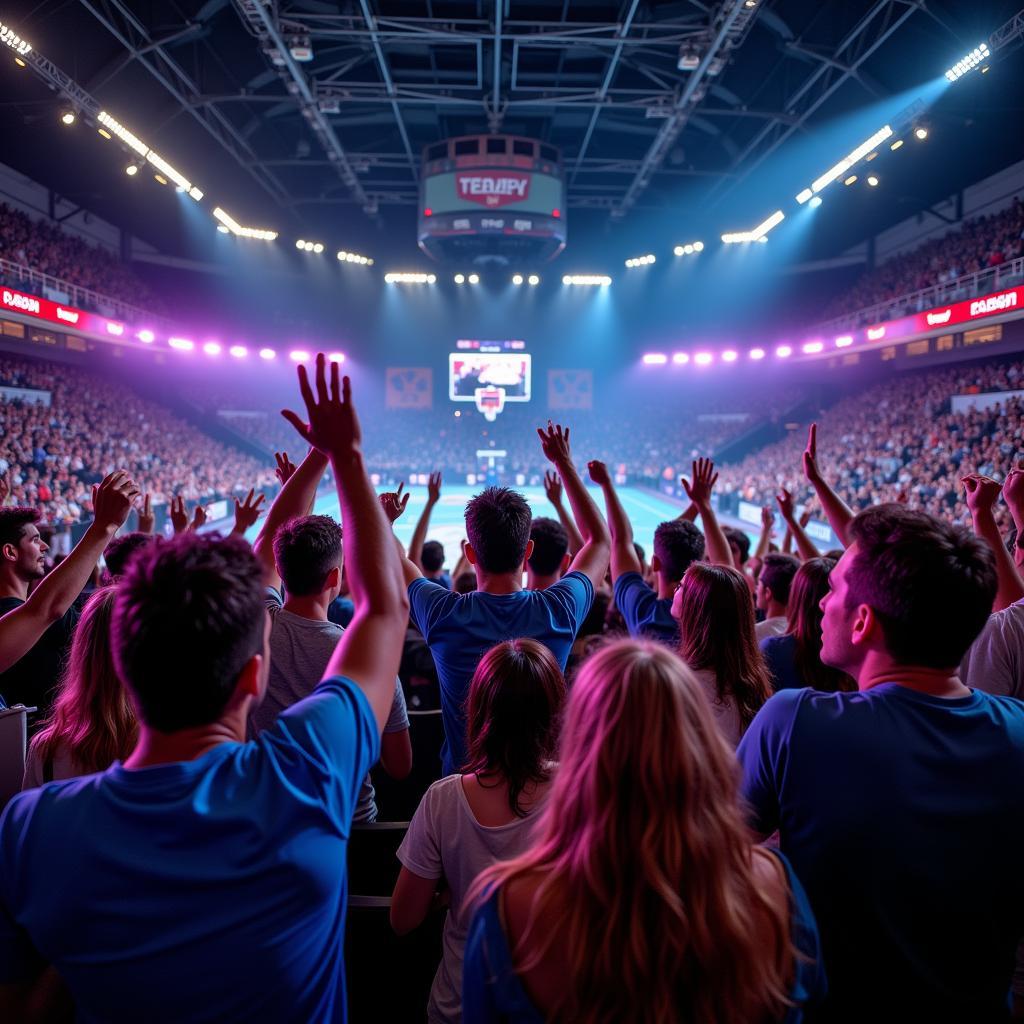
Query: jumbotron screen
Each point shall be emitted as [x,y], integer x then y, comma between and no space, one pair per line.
[469,371]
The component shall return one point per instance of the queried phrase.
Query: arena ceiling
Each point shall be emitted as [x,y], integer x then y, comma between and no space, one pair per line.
[340,135]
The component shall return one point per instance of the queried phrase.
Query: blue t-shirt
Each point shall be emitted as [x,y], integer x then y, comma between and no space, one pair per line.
[461,628]
[903,815]
[780,657]
[646,614]
[493,994]
[211,890]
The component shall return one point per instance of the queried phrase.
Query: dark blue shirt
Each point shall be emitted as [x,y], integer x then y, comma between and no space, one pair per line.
[461,628]
[645,613]
[780,656]
[211,890]
[493,994]
[903,815]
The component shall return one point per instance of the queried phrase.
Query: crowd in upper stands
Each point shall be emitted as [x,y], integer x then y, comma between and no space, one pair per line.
[53,454]
[48,249]
[975,244]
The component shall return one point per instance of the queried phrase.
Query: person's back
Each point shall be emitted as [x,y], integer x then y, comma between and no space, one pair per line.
[899,805]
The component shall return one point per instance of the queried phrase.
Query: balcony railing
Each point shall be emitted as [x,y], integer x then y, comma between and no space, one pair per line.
[981,282]
[19,276]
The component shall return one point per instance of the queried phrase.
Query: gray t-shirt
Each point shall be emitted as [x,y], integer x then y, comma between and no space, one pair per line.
[446,841]
[994,663]
[300,649]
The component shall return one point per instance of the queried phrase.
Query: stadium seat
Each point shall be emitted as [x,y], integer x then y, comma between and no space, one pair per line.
[372,862]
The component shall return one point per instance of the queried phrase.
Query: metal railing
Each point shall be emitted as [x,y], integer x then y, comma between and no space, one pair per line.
[18,275]
[964,287]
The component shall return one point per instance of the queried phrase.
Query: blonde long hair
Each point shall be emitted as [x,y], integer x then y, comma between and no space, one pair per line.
[92,716]
[646,877]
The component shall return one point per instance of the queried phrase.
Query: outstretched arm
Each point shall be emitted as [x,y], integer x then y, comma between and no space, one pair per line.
[699,492]
[592,559]
[370,649]
[623,553]
[981,493]
[804,545]
[247,512]
[21,628]
[295,498]
[837,512]
[1013,495]
[765,540]
[553,490]
[419,535]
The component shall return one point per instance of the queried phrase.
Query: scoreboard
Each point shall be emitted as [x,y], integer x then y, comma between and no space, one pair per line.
[492,197]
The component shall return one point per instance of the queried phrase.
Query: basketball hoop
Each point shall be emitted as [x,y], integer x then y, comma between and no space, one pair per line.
[490,401]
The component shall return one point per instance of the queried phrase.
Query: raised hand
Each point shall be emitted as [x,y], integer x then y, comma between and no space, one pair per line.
[699,489]
[553,487]
[285,467]
[199,518]
[113,499]
[785,500]
[433,488]
[810,456]
[598,473]
[805,516]
[147,518]
[394,503]
[1013,489]
[767,518]
[554,441]
[179,517]
[248,511]
[332,427]
[980,492]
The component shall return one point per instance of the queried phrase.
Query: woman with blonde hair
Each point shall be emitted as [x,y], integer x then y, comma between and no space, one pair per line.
[643,897]
[717,640]
[92,723]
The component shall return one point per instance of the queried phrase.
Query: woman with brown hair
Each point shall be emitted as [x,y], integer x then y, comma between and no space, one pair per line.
[717,640]
[794,659]
[92,723]
[643,897]
[467,821]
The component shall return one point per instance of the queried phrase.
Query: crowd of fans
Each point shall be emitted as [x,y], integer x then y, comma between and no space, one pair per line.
[47,249]
[53,454]
[648,830]
[976,244]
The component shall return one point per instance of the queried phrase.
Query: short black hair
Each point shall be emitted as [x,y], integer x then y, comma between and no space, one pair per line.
[306,549]
[432,556]
[550,543]
[931,584]
[188,616]
[13,521]
[741,540]
[777,572]
[677,545]
[498,526]
[464,583]
[121,549]
[640,553]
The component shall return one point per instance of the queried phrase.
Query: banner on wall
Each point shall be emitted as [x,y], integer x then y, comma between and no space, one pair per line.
[570,389]
[409,387]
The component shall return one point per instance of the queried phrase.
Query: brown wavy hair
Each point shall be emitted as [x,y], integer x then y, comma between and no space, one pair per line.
[810,585]
[647,884]
[92,718]
[716,632]
[512,712]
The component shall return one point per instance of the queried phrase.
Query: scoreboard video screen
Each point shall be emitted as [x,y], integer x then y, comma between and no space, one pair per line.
[469,372]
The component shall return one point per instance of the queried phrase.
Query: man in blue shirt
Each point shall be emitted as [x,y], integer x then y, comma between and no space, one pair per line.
[677,545]
[204,878]
[460,628]
[901,805]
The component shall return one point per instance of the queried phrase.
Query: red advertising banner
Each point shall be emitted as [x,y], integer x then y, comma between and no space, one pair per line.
[61,315]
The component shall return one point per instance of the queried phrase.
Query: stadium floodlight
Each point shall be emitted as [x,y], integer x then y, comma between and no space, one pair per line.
[844,341]
[641,261]
[68,117]
[10,38]
[517,279]
[784,351]
[921,133]
[131,170]
[406,278]
[703,358]
[698,246]
[730,355]
[681,358]
[336,357]
[815,202]
[238,351]
[678,250]
[966,64]
[298,355]
[533,280]
[758,234]
[212,348]
[114,328]
[175,175]
[850,180]
[474,278]
[812,348]
[872,181]
[804,195]
[131,140]
[858,154]
[587,280]
[655,359]
[353,257]
[757,353]
[459,279]
[236,229]
[146,336]
[267,353]
[181,344]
